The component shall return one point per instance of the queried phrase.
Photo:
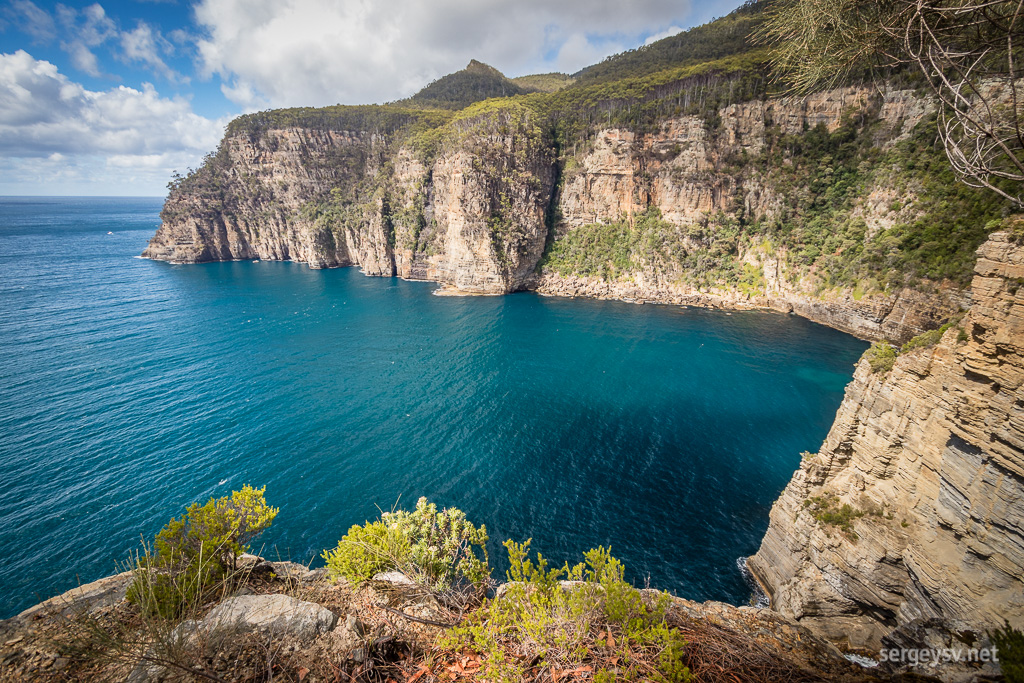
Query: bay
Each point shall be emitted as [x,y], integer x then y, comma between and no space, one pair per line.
[130,388]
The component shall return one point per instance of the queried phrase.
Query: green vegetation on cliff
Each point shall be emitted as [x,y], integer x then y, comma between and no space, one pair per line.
[197,550]
[438,549]
[583,626]
[704,254]
[543,82]
[723,37]
[819,230]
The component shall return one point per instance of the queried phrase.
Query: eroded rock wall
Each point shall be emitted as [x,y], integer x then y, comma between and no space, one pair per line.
[478,214]
[932,454]
[684,169]
[250,205]
[473,218]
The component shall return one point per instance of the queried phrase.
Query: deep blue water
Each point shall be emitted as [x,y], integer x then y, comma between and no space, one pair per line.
[129,388]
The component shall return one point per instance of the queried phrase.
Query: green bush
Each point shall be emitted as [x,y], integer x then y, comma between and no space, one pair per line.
[1009,644]
[367,550]
[931,337]
[439,549]
[881,356]
[599,619]
[827,510]
[193,552]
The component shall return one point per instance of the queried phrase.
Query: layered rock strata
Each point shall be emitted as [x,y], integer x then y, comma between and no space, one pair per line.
[929,457]
[478,214]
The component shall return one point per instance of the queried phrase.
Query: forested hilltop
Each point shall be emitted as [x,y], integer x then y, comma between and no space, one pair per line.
[681,172]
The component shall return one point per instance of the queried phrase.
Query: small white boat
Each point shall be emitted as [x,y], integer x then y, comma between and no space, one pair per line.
[110,233]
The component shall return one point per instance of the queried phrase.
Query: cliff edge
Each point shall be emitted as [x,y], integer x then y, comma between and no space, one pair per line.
[913,509]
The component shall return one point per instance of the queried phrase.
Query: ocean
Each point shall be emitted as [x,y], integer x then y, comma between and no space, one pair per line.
[130,388]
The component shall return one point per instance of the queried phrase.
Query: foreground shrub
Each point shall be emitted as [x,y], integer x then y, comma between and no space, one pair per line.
[440,550]
[598,624]
[195,551]
[1009,643]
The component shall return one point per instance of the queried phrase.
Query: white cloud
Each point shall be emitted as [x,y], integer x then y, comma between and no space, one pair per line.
[143,44]
[670,31]
[27,16]
[82,58]
[47,120]
[85,29]
[577,52]
[317,52]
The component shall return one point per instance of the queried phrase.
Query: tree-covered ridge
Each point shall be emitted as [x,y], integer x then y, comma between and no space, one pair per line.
[476,82]
[552,82]
[370,118]
[724,37]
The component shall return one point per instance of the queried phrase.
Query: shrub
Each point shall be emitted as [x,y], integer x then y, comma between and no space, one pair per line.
[194,551]
[931,337]
[601,623]
[827,510]
[1009,644]
[438,549]
[367,550]
[881,356]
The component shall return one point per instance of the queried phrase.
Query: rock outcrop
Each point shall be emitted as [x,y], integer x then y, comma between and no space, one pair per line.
[473,218]
[476,206]
[929,457]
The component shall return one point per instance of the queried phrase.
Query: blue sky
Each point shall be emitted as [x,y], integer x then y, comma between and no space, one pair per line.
[109,98]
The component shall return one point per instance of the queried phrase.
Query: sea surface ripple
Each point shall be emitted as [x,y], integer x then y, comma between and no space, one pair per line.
[129,388]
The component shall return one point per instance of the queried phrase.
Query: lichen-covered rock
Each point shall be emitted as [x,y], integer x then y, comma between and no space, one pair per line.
[932,454]
[281,615]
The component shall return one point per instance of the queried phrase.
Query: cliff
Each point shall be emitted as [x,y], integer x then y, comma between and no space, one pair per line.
[929,457]
[317,629]
[710,209]
[703,179]
[472,217]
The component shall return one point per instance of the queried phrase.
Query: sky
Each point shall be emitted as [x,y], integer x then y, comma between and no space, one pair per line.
[111,98]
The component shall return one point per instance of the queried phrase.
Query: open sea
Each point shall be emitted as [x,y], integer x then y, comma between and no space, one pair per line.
[130,388]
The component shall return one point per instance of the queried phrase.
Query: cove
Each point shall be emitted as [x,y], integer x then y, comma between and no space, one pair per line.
[129,388]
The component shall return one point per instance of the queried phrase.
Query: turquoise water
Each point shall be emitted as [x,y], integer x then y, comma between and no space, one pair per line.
[129,388]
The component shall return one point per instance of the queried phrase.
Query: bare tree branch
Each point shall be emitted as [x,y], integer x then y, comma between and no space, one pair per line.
[968,51]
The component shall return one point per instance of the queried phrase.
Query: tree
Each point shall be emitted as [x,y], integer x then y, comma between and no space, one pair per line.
[970,53]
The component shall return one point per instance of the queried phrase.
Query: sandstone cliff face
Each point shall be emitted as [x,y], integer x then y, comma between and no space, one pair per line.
[251,205]
[684,171]
[933,453]
[476,215]
[474,218]
[482,218]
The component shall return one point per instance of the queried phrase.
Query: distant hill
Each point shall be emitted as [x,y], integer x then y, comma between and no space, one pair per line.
[476,82]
